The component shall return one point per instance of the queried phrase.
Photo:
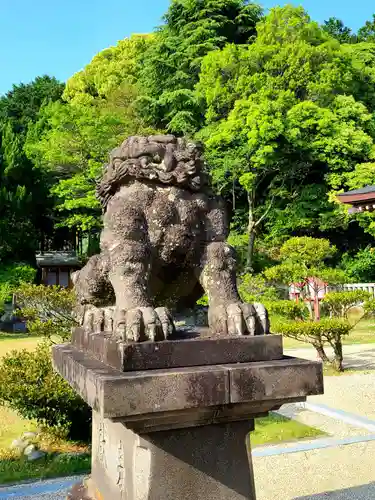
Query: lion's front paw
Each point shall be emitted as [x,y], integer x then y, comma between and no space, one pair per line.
[143,323]
[238,319]
[97,319]
[133,325]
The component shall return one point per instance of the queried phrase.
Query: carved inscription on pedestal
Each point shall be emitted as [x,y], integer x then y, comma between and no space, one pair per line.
[120,467]
[102,440]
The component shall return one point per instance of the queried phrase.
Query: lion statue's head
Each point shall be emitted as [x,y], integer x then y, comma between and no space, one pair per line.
[164,159]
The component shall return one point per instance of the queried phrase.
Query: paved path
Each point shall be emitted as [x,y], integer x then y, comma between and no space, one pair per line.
[53,489]
[335,471]
[356,356]
[311,475]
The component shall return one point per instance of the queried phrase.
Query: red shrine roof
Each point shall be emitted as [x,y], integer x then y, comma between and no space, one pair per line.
[358,196]
[361,200]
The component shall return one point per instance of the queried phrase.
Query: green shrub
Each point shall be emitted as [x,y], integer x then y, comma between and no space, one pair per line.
[48,310]
[339,303]
[254,288]
[29,385]
[309,331]
[361,266]
[369,307]
[286,309]
[317,333]
[12,277]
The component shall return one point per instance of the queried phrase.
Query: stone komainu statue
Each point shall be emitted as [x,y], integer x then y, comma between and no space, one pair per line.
[162,246]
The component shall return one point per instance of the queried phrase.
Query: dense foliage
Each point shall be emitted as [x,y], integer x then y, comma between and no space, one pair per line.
[30,386]
[48,310]
[11,278]
[25,206]
[284,106]
[340,303]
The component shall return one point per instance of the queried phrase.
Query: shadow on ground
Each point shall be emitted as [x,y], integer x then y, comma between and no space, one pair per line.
[364,360]
[355,357]
[364,492]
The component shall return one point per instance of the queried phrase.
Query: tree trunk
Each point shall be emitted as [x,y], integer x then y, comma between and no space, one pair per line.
[338,356]
[233,194]
[251,233]
[250,252]
[321,353]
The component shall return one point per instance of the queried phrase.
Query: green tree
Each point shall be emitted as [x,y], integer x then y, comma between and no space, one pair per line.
[284,125]
[49,310]
[360,267]
[340,303]
[367,32]
[25,208]
[337,29]
[113,69]
[304,263]
[329,331]
[172,63]
[72,138]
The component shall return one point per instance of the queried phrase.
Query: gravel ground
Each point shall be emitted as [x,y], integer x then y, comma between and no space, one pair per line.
[311,475]
[351,393]
[53,489]
[340,473]
[333,427]
[356,356]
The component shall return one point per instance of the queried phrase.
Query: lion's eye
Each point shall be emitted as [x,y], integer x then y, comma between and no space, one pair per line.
[157,158]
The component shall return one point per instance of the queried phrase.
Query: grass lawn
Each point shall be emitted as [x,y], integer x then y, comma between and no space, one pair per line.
[10,341]
[12,426]
[14,469]
[59,460]
[275,428]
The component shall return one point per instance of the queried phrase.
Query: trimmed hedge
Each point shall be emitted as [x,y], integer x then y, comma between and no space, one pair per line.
[286,308]
[326,329]
[30,386]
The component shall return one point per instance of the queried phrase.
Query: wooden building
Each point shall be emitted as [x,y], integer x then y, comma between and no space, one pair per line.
[361,200]
[56,267]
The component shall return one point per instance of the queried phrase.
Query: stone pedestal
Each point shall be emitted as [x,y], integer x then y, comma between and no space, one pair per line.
[179,429]
[202,463]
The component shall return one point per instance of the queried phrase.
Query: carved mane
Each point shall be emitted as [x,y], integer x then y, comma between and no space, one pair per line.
[162,159]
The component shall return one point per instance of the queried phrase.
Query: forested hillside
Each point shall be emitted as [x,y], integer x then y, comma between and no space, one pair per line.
[285,107]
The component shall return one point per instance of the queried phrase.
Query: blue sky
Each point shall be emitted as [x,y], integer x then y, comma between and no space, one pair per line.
[60,37]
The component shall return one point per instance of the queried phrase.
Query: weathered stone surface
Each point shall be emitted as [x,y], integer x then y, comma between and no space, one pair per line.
[195,417]
[203,463]
[262,381]
[163,244]
[118,394]
[195,348]
[128,394]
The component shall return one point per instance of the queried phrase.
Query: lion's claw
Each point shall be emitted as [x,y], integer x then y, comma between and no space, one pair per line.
[238,319]
[133,325]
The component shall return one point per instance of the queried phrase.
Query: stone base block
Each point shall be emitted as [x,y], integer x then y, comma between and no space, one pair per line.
[184,348]
[212,462]
[265,385]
